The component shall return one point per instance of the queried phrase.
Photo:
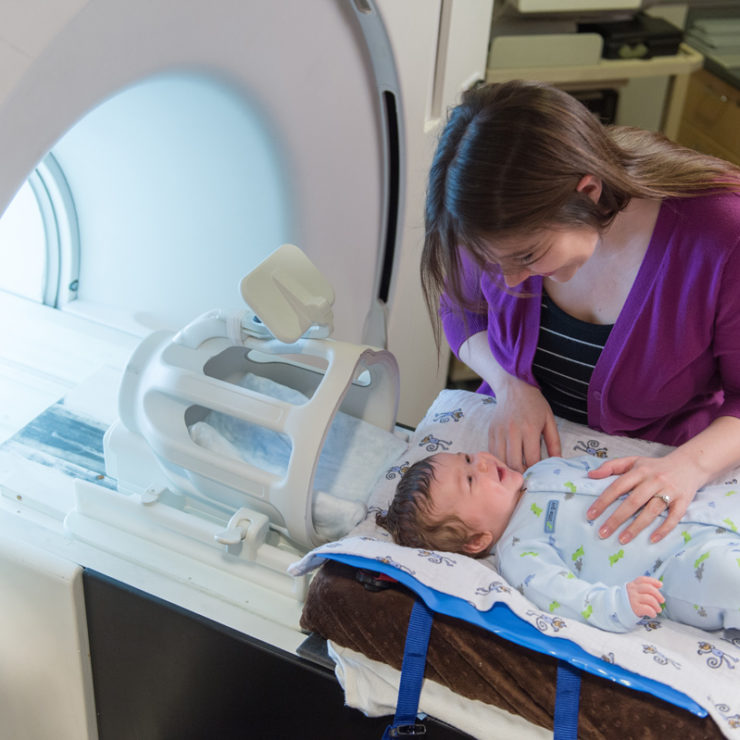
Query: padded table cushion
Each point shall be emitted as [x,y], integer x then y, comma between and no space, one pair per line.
[478,664]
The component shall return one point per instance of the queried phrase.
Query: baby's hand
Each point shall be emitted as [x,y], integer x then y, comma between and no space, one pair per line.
[645,597]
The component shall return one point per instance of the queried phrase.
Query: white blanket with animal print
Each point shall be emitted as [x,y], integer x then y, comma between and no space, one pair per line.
[702,665]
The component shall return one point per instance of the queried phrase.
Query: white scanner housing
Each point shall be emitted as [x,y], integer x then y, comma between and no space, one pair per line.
[149,107]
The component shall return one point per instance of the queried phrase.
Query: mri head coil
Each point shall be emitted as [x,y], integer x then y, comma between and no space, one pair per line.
[175,381]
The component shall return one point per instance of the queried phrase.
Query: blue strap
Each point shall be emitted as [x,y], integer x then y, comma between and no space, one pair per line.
[412,674]
[567,696]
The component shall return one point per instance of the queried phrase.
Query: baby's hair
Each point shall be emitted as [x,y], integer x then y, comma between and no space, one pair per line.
[410,518]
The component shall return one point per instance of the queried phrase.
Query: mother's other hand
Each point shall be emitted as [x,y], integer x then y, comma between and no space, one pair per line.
[520,420]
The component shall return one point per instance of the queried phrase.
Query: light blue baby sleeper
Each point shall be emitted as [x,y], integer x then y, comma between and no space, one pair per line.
[554,556]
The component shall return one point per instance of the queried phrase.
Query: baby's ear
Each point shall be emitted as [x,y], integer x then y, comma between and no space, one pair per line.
[478,542]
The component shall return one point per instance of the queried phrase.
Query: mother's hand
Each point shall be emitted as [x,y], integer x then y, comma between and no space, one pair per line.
[646,480]
[520,419]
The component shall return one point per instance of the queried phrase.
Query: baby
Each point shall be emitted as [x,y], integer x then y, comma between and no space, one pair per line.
[549,550]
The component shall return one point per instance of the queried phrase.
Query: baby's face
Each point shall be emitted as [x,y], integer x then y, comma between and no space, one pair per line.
[479,489]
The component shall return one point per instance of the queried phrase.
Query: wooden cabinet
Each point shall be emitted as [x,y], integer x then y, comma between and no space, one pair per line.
[711,117]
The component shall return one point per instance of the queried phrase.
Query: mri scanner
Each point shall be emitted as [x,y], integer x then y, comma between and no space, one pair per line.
[144,106]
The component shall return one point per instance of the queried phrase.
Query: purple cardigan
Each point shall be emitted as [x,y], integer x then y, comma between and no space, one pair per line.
[671,364]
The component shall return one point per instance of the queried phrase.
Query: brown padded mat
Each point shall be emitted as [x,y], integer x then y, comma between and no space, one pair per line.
[480,665]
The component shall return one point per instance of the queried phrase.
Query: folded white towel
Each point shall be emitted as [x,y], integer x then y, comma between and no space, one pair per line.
[333,517]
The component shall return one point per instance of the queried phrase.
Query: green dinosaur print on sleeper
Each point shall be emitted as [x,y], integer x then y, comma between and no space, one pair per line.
[700,559]
[537,556]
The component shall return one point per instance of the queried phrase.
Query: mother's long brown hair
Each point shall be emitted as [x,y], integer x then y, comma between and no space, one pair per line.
[508,163]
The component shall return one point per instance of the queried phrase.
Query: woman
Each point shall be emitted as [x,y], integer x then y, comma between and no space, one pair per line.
[594,270]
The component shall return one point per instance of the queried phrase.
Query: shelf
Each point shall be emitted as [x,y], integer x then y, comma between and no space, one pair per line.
[686,61]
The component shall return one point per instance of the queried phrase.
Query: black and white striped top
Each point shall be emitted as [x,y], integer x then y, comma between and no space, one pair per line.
[567,352]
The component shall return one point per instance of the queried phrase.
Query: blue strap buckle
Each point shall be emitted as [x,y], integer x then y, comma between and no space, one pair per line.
[410,730]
